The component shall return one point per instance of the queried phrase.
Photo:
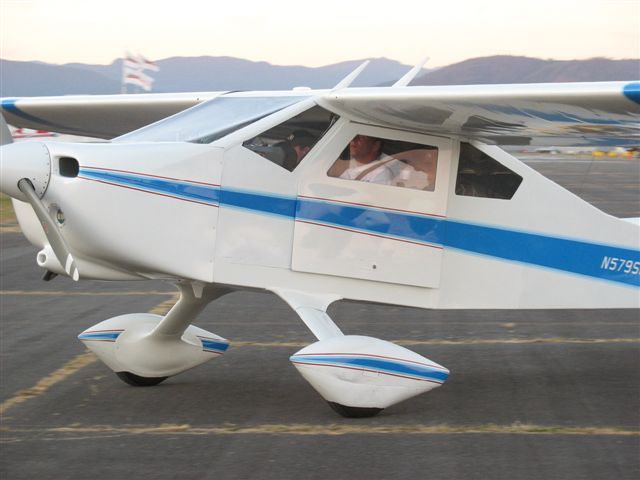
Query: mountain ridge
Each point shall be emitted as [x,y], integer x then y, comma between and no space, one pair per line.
[207,73]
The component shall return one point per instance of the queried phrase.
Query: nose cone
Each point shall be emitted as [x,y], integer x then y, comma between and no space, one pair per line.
[24,160]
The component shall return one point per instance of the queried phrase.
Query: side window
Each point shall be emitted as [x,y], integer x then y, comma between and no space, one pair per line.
[388,162]
[479,175]
[288,143]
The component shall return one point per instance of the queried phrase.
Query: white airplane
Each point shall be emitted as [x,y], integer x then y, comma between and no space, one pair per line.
[395,195]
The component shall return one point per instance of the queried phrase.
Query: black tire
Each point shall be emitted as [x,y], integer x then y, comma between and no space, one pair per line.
[138,381]
[354,412]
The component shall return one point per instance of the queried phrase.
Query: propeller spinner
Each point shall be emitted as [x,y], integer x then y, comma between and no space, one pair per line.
[25,173]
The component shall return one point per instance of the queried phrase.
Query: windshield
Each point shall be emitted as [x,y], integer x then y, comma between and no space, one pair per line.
[211,120]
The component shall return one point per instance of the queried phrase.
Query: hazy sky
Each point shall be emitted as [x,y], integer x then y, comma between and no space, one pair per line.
[317,33]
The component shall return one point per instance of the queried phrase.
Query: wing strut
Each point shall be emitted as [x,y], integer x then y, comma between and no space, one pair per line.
[348,80]
[411,74]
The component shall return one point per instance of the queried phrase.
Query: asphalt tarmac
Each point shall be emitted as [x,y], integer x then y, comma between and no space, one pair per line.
[533,394]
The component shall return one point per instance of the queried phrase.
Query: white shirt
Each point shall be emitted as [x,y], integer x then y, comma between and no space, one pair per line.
[382,174]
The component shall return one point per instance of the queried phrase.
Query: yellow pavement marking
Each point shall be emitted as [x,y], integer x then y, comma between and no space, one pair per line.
[516,341]
[84,359]
[36,293]
[72,366]
[320,429]
[50,380]
[164,307]
[463,341]
[10,229]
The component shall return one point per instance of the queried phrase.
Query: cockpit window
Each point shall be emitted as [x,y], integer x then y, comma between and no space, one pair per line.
[388,162]
[479,175]
[209,121]
[288,143]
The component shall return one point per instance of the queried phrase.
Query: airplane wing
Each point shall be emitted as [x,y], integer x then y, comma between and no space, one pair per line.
[101,116]
[602,113]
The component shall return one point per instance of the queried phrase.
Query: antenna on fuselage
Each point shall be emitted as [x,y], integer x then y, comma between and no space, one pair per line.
[411,74]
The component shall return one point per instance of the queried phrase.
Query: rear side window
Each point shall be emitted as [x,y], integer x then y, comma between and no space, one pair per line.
[479,175]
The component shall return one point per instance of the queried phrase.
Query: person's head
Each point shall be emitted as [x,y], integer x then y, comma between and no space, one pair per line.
[365,149]
[301,141]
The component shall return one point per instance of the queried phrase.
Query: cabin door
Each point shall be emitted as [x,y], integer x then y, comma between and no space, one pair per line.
[374,215]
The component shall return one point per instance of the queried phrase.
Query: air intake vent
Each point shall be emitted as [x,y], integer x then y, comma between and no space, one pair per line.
[69,167]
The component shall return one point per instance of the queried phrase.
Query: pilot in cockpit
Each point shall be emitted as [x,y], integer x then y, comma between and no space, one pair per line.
[374,160]
[367,162]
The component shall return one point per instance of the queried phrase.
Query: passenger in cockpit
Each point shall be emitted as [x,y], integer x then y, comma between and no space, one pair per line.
[301,141]
[295,147]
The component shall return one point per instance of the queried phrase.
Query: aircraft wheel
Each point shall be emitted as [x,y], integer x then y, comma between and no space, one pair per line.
[138,381]
[354,412]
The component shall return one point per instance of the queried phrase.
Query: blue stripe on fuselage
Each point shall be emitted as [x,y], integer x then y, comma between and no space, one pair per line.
[265,203]
[568,255]
[182,189]
[400,225]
